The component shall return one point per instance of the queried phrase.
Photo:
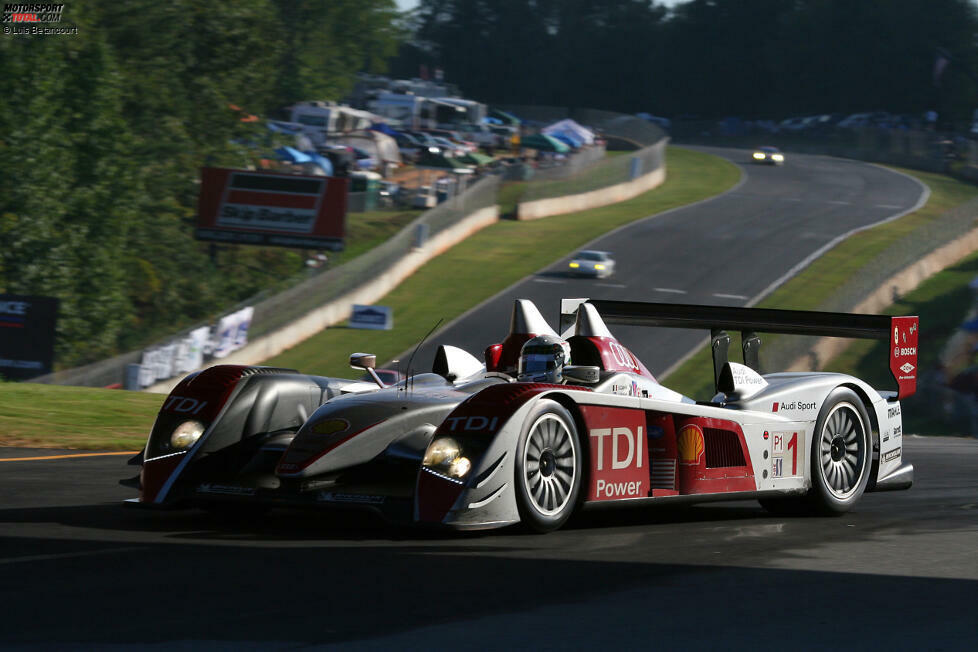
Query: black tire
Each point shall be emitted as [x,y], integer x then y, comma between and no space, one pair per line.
[548,468]
[842,453]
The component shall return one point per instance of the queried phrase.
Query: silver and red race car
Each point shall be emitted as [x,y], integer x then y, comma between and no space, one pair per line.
[532,434]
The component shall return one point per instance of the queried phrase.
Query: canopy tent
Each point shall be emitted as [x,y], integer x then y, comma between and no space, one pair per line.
[377,144]
[504,117]
[476,158]
[544,143]
[568,126]
[567,138]
[384,128]
[321,162]
[292,155]
[280,127]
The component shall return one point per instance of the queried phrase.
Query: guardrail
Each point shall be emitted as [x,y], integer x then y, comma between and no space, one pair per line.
[607,173]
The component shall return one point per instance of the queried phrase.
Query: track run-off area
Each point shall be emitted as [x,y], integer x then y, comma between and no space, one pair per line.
[81,571]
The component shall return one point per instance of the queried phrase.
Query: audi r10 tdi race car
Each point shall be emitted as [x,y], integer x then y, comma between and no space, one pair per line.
[547,425]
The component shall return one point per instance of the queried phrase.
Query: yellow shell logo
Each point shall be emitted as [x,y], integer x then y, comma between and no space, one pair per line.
[690,444]
[330,426]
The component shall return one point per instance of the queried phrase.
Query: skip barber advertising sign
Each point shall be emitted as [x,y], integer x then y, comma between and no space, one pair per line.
[269,208]
[27,326]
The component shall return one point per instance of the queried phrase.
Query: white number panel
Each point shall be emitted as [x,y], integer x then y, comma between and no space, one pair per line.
[787,454]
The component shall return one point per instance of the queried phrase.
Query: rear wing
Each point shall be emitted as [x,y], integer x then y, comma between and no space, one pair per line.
[900,332]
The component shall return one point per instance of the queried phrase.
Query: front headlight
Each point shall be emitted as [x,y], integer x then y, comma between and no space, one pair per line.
[574,265]
[186,434]
[444,456]
[759,156]
[598,266]
[777,157]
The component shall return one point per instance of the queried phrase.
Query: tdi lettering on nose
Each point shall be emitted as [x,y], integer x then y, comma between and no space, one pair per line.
[625,447]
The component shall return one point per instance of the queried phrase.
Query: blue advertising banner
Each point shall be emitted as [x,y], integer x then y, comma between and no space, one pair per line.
[27,330]
[373,317]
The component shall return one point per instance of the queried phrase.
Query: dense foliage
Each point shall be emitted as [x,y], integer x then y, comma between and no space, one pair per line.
[711,58]
[102,134]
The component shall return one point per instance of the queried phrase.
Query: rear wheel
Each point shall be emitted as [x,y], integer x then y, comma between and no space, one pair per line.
[548,468]
[841,453]
[841,460]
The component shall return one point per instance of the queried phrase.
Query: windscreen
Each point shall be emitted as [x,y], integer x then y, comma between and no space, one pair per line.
[537,363]
[590,255]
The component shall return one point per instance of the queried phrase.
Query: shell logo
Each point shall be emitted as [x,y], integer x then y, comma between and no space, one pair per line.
[690,444]
[330,426]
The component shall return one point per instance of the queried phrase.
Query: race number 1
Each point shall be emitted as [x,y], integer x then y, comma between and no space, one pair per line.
[784,453]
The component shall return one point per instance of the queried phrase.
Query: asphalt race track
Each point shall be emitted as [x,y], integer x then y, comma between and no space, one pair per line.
[81,571]
[725,251]
[78,570]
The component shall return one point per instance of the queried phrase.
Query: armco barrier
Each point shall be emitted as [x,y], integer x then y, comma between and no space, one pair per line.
[644,170]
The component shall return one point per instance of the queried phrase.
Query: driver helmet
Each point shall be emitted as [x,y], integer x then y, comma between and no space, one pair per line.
[542,359]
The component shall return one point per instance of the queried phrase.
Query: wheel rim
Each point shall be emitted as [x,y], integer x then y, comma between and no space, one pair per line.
[842,451]
[549,465]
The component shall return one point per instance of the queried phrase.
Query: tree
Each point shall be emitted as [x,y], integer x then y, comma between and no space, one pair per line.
[325,43]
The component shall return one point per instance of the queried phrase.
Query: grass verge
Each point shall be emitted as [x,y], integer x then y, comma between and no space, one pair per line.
[940,301]
[45,416]
[451,284]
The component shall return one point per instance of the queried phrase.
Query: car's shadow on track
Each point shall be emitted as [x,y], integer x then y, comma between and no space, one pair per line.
[279,525]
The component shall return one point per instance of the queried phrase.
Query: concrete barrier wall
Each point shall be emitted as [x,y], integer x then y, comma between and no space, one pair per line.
[905,281]
[338,310]
[534,210]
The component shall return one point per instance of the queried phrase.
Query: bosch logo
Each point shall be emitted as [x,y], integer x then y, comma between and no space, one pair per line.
[907,350]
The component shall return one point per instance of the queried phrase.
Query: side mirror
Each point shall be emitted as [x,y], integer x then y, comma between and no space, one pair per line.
[367,361]
[585,374]
[363,360]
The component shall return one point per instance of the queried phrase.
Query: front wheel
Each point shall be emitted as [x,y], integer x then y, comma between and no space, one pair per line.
[841,453]
[548,468]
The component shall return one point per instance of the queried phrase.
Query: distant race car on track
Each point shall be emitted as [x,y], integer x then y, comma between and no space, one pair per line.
[599,264]
[549,424]
[769,155]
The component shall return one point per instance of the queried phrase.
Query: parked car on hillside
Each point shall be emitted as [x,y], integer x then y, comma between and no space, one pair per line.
[481,134]
[411,147]
[449,148]
[454,137]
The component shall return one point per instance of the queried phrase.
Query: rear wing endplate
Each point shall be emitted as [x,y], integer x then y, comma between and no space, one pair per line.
[901,332]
